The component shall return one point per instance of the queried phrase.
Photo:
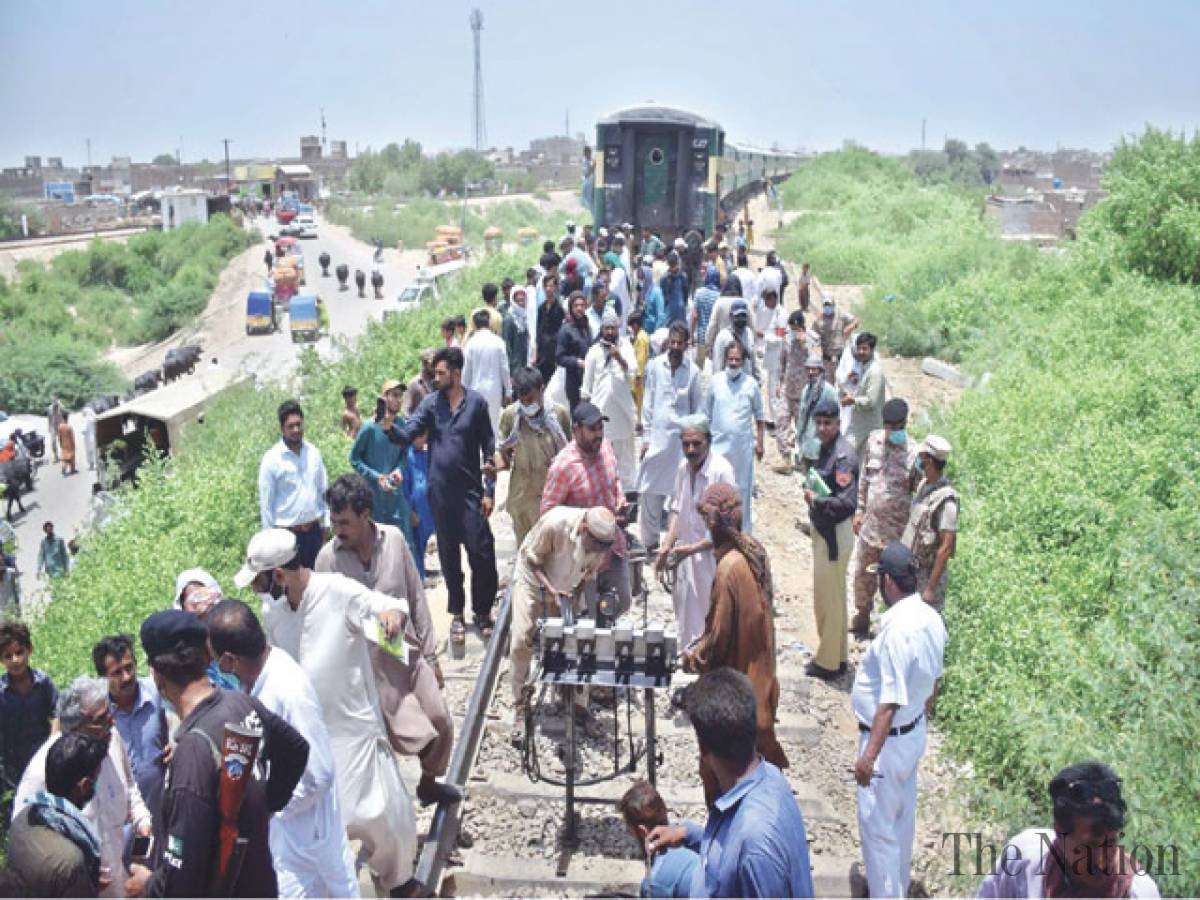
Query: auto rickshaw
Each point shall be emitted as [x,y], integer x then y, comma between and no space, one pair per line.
[260,313]
[304,320]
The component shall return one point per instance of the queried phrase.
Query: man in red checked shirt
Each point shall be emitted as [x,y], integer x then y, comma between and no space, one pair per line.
[584,474]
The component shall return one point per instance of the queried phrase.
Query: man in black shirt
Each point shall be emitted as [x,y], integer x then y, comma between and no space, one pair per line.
[186,831]
[461,447]
[833,539]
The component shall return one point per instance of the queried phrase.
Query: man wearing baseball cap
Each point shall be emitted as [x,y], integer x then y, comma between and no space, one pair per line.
[185,831]
[885,487]
[325,622]
[383,464]
[933,523]
[896,677]
[737,331]
[584,475]
[566,548]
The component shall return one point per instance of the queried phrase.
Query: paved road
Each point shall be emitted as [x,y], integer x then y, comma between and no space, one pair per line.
[65,500]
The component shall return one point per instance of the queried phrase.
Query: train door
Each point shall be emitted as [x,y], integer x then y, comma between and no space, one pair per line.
[657,168]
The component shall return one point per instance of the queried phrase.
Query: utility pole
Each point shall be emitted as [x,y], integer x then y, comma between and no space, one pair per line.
[480,127]
[567,123]
[228,176]
[89,152]
[324,143]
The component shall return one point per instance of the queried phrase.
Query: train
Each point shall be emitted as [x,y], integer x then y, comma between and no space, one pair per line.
[673,171]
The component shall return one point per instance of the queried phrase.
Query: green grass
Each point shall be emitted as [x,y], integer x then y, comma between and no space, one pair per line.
[1074,599]
[417,220]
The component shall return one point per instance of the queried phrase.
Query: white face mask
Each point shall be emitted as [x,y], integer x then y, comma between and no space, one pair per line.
[531,409]
[734,374]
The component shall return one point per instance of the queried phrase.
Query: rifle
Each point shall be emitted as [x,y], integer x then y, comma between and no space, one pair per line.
[240,746]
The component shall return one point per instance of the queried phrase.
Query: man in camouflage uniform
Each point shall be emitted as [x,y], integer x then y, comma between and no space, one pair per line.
[791,386]
[832,328]
[801,399]
[885,489]
[933,523]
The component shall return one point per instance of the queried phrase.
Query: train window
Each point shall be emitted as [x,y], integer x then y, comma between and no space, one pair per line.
[656,156]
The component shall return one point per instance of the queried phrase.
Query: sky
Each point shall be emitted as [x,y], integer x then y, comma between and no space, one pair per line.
[143,77]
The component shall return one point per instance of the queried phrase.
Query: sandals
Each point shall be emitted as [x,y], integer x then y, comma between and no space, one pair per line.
[486,626]
[458,630]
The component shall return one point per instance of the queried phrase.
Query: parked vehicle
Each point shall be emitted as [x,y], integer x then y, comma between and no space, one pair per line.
[33,442]
[126,435]
[260,313]
[307,226]
[303,318]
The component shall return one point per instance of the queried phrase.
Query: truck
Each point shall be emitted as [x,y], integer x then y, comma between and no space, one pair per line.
[129,434]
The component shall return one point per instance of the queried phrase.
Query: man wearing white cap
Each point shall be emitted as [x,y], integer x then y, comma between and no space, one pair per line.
[325,621]
[933,522]
[566,547]
[608,371]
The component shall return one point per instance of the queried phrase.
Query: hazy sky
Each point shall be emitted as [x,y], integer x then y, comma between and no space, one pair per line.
[137,76]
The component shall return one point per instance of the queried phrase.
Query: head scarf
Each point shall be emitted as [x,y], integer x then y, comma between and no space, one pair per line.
[63,817]
[724,502]
[545,422]
[610,318]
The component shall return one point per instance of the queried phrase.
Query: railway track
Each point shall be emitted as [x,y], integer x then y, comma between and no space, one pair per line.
[507,837]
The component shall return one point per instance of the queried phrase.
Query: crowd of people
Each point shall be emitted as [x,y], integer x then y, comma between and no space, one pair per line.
[626,387]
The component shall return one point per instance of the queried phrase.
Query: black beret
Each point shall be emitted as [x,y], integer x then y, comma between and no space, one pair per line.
[827,409]
[165,631]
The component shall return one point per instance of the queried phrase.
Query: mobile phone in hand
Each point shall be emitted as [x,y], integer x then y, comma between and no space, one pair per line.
[141,849]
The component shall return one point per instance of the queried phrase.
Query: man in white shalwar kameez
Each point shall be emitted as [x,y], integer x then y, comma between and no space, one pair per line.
[308,840]
[485,366]
[688,546]
[673,390]
[89,435]
[324,622]
[608,371]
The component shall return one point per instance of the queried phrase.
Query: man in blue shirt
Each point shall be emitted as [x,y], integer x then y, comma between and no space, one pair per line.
[137,714]
[675,291]
[461,486]
[671,871]
[753,844]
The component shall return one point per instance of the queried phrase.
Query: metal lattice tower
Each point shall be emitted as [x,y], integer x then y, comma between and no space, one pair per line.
[480,126]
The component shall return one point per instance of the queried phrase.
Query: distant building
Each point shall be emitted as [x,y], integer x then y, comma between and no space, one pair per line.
[298,178]
[182,207]
[310,148]
[337,150]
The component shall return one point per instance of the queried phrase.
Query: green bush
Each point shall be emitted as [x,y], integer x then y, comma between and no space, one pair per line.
[109,294]
[200,508]
[1073,608]
[416,222]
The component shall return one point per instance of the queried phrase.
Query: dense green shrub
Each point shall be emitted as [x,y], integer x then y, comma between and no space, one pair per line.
[201,507]
[416,221]
[86,301]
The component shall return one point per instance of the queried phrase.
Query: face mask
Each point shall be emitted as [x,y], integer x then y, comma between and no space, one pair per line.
[827,310]
[898,437]
[735,375]
[530,409]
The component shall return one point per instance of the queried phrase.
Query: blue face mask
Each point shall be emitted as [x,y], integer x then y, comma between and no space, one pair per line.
[898,437]
[734,374]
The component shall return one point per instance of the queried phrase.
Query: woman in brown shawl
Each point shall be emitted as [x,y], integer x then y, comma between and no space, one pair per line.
[739,628]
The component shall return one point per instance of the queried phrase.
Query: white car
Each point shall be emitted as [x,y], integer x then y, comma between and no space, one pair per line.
[307,227]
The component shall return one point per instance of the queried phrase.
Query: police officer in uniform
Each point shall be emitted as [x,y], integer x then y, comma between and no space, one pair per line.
[185,832]
[885,490]
[832,536]
[933,523]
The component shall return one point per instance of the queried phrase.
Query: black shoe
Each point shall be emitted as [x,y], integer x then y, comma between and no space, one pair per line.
[438,792]
[812,670]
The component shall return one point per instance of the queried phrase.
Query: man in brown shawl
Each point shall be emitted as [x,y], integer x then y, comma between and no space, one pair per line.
[739,629]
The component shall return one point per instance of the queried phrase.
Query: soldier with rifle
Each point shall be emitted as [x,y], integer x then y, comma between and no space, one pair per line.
[211,838]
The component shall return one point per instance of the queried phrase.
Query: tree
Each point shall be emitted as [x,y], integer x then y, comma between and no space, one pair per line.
[165,159]
[989,162]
